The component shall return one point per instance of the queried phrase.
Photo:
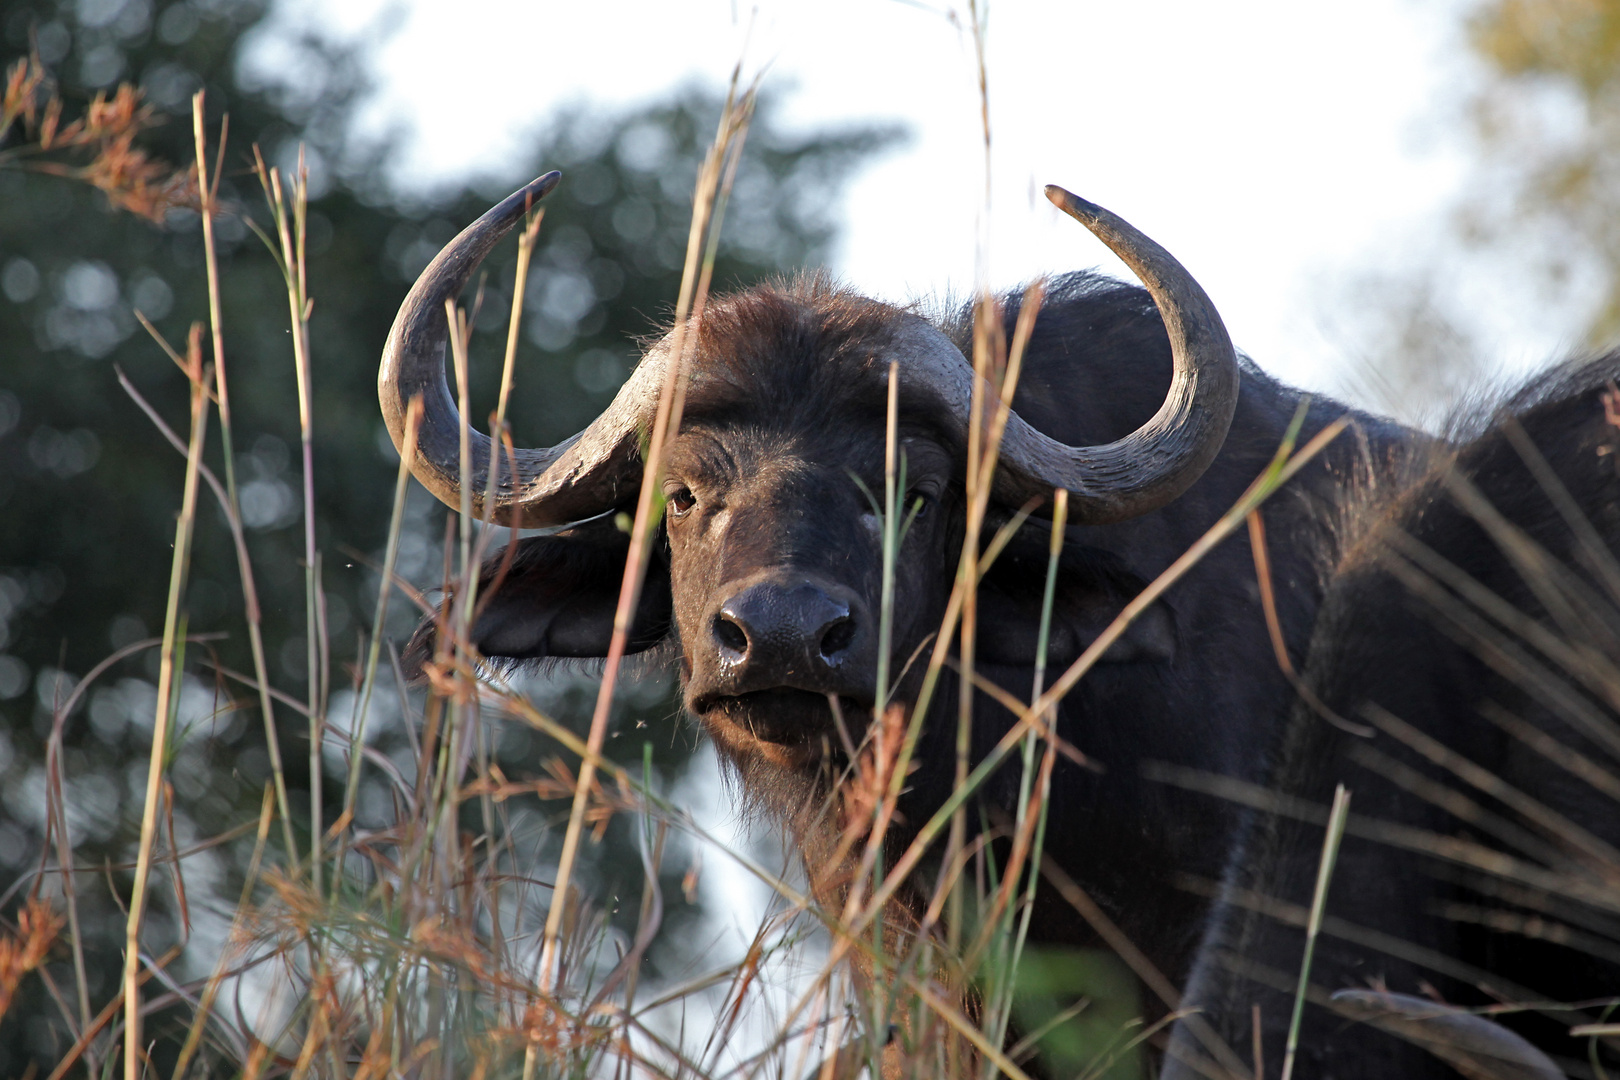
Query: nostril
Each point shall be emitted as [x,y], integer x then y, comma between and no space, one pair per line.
[730,636]
[837,637]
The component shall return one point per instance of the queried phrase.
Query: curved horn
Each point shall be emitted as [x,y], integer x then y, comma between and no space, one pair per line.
[1153,464]
[577,478]
[1161,459]
[1473,1045]
[595,469]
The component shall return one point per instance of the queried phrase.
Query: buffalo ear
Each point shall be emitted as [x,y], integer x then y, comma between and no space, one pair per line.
[557,600]
[1092,588]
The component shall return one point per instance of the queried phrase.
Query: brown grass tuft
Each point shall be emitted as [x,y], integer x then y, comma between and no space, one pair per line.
[97,148]
[38,924]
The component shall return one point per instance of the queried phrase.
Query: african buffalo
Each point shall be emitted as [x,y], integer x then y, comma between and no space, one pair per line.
[1207,812]
[1471,622]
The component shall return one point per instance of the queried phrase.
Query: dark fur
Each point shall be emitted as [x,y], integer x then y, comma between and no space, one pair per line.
[787,399]
[1393,635]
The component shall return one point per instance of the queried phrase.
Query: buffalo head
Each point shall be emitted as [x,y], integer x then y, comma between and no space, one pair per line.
[768,579]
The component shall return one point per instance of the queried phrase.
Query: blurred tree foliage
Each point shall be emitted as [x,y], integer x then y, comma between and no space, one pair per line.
[1548,119]
[1533,239]
[89,490]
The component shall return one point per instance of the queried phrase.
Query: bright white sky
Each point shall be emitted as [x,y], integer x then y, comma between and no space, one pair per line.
[1276,146]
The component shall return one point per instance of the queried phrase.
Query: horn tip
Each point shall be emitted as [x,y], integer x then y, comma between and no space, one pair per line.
[503,216]
[1069,202]
[542,186]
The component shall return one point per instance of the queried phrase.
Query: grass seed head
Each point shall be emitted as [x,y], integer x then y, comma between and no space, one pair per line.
[38,924]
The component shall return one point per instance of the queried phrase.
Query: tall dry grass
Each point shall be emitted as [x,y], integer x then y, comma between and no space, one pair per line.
[431,945]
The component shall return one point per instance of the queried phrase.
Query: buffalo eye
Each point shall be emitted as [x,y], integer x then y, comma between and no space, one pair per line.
[680,501]
[921,503]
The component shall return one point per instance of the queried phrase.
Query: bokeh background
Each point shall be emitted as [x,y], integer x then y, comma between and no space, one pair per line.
[1400,202]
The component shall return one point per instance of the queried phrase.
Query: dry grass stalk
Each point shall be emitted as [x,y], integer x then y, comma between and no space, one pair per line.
[290,226]
[289,212]
[1324,877]
[173,632]
[208,207]
[734,121]
[362,708]
[236,942]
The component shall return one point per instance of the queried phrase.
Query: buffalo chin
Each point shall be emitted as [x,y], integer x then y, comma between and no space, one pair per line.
[784,725]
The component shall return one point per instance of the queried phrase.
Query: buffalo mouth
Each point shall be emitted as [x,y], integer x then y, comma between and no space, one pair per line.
[787,717]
